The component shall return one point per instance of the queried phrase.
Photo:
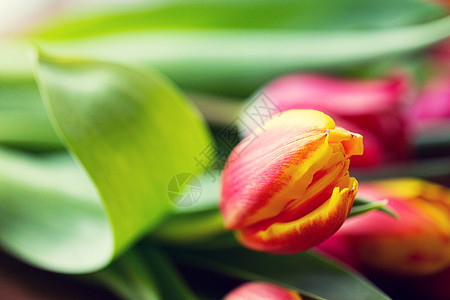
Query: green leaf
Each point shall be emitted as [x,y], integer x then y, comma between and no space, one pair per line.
[23,118]
[305,272]
[50,214]
[124,123]
[244,14]
[235,61]
[363,205]
[131,132]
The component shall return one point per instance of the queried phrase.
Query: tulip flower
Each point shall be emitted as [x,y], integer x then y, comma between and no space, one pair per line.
[417,243]
[373,108]
[261,291]
[440,56]
[289,188]
[432,106]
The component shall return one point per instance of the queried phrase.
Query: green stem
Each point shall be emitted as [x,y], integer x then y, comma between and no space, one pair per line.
[144,273]
[129,278]
[190,228]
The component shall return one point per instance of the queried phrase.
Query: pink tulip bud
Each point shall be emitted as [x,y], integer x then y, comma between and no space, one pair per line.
[289,189]
[261,291]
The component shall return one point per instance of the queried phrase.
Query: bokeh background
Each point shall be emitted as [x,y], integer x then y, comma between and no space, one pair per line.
[379,68]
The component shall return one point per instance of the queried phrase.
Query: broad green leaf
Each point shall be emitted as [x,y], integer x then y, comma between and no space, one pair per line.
[305,272]
[244,14]
[23,119]
[121,122]
[50,214]
[131,132]
[237,61]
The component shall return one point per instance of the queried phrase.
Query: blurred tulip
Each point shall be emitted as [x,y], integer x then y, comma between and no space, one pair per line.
[417,243]
[261,291]
[289,189]
[374,108]
[432,107]
[433,103]
[440,56]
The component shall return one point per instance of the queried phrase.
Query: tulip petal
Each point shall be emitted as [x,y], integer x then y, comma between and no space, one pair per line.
[318,191]
[352,142]
[306,232]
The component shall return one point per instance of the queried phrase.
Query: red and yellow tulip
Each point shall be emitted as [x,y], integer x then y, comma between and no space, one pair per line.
[261,291]
[289,189]
[417,243]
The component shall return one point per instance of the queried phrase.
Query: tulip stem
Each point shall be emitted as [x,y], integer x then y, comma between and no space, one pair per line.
[144,273]
[190,228]
[128,278]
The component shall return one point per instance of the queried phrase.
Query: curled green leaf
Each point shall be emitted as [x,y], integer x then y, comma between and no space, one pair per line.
[131,132]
